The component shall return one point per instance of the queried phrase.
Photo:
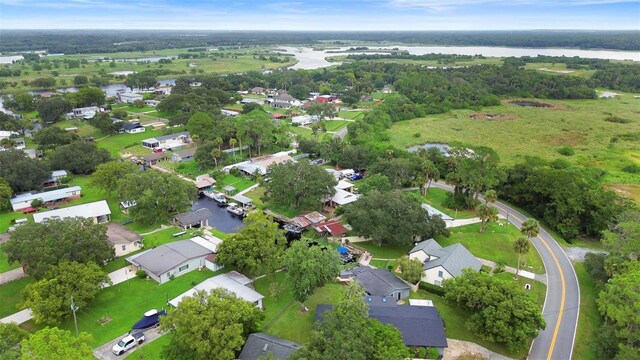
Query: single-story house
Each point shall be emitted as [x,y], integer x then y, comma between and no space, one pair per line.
[377,282]
[257,90]
[129,98]
[204,182]
[260,345]
[443,263]
[195,218]
[55,178]
[342,197]
[333,228]
[5,134]
[131,127]
[260,164]
[167,141]
[23,201]
[303,120]
[420,326]
[234,282]
[32,153]
[171,260]
[283,101]
[20,144]
[98,211]
[88,112]
[152,103]
[435,212]
[123,240]
[183,155]
[306,220]
[152,159]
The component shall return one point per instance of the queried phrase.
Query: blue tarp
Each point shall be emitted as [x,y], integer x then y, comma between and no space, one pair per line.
[149,321]
[343,250]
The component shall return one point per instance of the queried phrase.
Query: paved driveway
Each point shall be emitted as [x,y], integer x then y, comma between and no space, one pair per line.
[104,352]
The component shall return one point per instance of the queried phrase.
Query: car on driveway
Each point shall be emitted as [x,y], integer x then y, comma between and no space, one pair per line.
[128,342]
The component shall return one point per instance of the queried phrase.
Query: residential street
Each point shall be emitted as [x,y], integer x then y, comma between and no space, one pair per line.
[562,304]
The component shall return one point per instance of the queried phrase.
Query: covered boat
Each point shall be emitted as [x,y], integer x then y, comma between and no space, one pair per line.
[151,318]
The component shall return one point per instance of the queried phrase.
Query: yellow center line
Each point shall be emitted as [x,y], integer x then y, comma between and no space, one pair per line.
[563,293]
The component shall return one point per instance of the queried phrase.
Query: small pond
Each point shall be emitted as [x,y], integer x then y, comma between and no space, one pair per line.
[443,148]
[222,220]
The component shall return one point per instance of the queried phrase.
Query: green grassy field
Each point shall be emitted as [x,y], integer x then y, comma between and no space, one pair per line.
[590,320]
[5,265]
[384,251]
[495,244]
[335,125]
[240,183]
[522,131]
[120,142]
[10,295]
[435,197]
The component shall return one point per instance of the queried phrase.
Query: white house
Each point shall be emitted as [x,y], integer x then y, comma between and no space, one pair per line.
[132,127]
[23,201]
[129,98]
[86,113]
[443,263]
[303,120]
[233,282]
[167,141]
[173,259]
[98,211]
[261,164]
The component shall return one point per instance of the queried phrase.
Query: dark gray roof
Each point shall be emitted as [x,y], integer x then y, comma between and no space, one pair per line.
[172,136]
[419,325]
[261,344]
[186,152]
[378,282]
[453,258]
[194,217]
[168,256]
[131,126]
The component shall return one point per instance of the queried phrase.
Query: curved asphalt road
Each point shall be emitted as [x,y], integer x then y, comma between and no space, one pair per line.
[562,302]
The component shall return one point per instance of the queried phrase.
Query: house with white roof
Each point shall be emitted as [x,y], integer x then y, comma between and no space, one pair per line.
[167,142]
[129,98]
[88,112]
[24,201]
[344,194]
[435,212]
[98,211]
[234,282]
[443,263]
[260,164]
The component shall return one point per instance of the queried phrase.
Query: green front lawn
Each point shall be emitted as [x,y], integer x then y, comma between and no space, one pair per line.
[384,251]
[152,350]
[240,183]
[435,197]
[10,293]
[538,289]
[335,125]
[118,142]
[495,244]
[590,319]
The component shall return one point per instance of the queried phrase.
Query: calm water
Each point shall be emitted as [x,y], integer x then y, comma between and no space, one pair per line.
[443,148]
[315,59]
[221,219]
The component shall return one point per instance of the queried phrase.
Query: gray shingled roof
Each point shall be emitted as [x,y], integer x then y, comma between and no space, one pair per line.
[427,246]
[261,344]
[378,282]
[454,259]
[172,136]
[168,256]
[194,217]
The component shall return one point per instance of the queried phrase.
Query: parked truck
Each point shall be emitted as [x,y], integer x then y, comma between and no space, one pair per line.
[128,342]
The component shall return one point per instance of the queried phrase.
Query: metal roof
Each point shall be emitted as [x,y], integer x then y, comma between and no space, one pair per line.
[222,281]
[90,210]
[47,196]
[261,344]
[168,256]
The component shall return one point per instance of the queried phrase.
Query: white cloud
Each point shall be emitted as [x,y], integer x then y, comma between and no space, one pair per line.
[441,5]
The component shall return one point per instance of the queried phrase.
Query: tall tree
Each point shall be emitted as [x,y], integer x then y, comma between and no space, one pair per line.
[411,269]
[79,157]
[308,268]
[486,214]
[530,228]
[10,337]
[370,218]
[299,185]
[51,137]
[5,194]
[521,246]
[39,246]
[257,248]
[158,195]
[56,344]
[50,298]
[490,196]
[210,326]
[108,174]
[52,110]
[21,172]
[427,173]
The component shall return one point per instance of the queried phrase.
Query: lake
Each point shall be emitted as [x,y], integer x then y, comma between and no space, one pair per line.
[221,218]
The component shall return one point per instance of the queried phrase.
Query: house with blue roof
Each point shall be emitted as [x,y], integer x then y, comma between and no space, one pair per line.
[441,263]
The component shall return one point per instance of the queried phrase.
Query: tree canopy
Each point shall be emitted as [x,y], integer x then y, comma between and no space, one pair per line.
[52,110]
[300,185]
[500,310]
[39,246]
[50,297]
[21,172]
[108,174]
[57,344]
[158,195]
[257,248]
[10,337]
[392,218]
[51,137]
[411,269]
[210,326]
[79,157]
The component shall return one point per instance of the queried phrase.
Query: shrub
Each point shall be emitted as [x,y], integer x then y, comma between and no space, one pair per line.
[36,203]
[141,274]
[417,135]
[632,169]
[436,290]
[499,268]
[616,120]
[432,353]
[566,151]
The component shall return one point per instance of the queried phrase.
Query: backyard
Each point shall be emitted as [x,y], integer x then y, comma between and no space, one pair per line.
[435,197]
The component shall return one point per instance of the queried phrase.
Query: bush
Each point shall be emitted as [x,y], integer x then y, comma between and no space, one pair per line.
[141,274]
[566,151]
[432,353]
[36,203]
[632,169]
[436,290]
[459,201]
[616,120]
[499,268]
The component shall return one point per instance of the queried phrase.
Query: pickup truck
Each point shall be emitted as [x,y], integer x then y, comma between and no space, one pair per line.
[128,342]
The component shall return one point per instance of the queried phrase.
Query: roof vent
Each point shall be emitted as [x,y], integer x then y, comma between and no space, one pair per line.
[264,348]
[369,299]
[384,300]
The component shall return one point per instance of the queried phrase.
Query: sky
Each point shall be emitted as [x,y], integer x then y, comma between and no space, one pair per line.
[321,15]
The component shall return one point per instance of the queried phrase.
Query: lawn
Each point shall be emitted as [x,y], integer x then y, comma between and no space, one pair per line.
[436,197]
[4,261]
[579,124]
[240,183]
[384,251]
[152,350]
[126,302]
[495,244]
[384,264]
[134,109]
[590,319]
[119,142]
[10,293]
[335,125]
[454,319]
[538,290]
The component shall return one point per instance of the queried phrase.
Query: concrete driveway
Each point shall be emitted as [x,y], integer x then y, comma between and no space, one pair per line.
[104,352]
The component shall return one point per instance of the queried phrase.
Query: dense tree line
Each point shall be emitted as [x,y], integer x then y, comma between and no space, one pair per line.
[108,41]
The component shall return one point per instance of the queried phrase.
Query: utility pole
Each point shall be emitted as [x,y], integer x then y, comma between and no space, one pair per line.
[74,308]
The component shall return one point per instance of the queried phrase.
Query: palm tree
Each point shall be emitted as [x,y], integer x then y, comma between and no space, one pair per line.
[486,214]
[216,154]
[490,197]
[530,228]
[521,247]
[429,173]
[232,144]
[218,142]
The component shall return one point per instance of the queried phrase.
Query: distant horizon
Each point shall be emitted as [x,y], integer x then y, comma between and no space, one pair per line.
[328,15]
[324,31]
